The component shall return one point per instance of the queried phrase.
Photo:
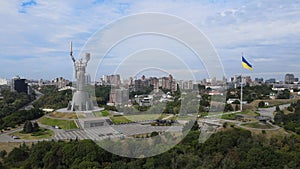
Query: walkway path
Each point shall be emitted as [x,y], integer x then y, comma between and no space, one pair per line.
[270,111]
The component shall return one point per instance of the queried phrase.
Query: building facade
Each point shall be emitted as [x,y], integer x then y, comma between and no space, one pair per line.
[289,78]
[19,85]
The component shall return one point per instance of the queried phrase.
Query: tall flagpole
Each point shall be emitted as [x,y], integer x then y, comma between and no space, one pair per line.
[241,107]
[241,103]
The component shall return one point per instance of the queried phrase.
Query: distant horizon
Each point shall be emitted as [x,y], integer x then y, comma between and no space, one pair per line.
[265,77]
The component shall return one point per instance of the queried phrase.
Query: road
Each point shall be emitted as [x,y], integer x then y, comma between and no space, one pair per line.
[30,105]
[270,111]
[5,137]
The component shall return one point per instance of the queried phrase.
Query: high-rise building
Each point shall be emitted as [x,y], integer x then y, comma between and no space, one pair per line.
[104,78]
[19,85]
[119,96]
[271,81]
[164,82]
[138,85]
[259,80]
[130,81]
[289,78]
[114,80]
[60,82]
[155,85]
[248,80]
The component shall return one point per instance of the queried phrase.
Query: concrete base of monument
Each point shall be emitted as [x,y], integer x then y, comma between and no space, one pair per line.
[65,110]
[92,122]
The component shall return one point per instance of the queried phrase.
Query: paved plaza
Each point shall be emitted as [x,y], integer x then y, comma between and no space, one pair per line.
[113,131]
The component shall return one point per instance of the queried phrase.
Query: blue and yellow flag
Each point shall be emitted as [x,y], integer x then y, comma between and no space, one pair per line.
[246,64]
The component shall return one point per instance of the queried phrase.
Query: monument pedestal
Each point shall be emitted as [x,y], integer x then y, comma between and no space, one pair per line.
[81,102]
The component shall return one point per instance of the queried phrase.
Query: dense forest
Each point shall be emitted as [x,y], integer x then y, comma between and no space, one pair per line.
[19,117]
[251,93]
[289,121]
[53,98]
[13,101]
[231,149]
[11,113]
[102,94]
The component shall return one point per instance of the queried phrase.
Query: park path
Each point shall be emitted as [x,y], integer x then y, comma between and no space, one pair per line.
[269,112]
[169,116]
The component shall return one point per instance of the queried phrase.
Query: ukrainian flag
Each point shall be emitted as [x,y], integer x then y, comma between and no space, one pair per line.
[246,64]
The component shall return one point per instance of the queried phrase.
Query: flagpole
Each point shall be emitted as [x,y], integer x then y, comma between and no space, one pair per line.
[241,103]
[246,65]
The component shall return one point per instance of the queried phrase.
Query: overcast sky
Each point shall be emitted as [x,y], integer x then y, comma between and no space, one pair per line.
[35,35]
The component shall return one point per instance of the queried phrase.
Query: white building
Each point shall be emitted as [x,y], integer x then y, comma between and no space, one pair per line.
[231,100]
[3,82]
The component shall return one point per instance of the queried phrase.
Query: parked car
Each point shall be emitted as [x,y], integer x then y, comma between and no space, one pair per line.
[15,137]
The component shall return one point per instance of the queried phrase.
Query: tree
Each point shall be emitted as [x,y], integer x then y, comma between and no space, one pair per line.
[278,118]
[28,128]
[236,107]
[16,156]
[3,154]
[87,165]
[228,107]
[35,127]
[195,126]
[290,108]
[201,87]
[261,104]
[236,102]
[54,99]
[284,94]
[231,148]
[154,133]
[277,108]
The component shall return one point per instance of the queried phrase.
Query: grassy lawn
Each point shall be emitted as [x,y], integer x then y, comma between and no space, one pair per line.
[229,116]
[258,125]
[119,119]
[232,116]
[42,134]
[130,118]
[285,111]
[64,124]
[280,134]
[249,112]
[202,114]
[275,102]
[63,115]
[103,113]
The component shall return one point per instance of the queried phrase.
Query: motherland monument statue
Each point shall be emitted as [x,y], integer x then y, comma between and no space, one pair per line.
[81,100]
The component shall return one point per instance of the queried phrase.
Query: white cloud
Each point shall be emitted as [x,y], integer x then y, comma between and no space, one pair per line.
[262,29]
[263,59]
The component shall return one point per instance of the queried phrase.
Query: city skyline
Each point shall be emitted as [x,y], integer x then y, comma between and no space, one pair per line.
[35,38]
[116,79]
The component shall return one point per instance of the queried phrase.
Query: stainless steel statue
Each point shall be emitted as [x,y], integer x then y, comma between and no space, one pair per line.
[81,100]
